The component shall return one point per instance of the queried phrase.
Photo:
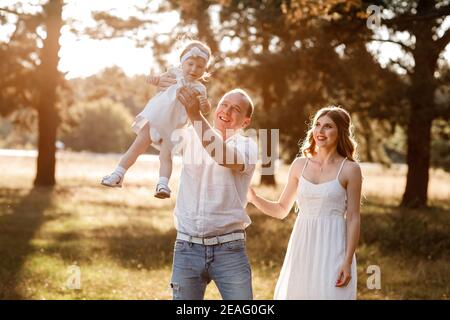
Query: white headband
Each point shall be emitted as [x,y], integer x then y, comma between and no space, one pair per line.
[195,52]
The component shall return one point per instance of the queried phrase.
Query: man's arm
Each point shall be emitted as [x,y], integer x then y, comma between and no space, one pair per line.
[225,155]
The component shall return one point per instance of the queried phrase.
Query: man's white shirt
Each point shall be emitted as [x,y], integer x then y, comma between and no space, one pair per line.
[211,198]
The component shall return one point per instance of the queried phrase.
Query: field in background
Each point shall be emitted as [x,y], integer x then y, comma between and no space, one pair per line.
[122,239]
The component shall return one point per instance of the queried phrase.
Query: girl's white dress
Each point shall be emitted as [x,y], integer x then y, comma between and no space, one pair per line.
[317,245]
[164,112]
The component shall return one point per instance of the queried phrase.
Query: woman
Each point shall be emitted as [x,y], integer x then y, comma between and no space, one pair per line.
[326,183]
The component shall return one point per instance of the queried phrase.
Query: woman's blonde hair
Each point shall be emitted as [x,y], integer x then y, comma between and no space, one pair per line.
[203,47]
[346,145]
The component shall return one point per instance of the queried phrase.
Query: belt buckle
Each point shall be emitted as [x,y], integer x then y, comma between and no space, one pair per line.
[209,241]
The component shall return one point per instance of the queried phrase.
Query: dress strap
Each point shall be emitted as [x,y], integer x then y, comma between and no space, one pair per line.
[342,165]
[306,163]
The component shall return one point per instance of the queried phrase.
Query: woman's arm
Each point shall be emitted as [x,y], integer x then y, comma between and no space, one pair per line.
[354,186]
[281,208]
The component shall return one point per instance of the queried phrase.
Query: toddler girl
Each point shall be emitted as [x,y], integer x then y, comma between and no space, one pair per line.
[163,114]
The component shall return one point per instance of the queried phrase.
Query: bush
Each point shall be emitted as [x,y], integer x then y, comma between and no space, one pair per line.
[103,126]
[440,144]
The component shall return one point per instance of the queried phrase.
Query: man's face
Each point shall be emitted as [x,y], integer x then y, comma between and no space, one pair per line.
[231,113]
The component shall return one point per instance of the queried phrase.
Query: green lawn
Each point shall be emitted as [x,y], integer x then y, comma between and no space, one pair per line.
[122,239]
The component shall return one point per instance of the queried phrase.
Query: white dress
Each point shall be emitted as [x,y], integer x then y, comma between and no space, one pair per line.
[317,245]
[164,112]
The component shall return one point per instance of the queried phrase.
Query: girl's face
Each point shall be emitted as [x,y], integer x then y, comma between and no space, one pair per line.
[194,68]
[325,132]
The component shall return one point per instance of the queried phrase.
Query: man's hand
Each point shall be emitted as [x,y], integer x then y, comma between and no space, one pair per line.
[188,98]
[166,80]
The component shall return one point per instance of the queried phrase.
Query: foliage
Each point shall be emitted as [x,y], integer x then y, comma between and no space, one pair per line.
[103,126]
[440,145]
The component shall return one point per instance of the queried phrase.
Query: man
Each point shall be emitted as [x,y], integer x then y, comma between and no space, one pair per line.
[210,212]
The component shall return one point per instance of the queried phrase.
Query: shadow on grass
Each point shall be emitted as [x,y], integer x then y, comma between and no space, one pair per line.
[132,246]
[142,247]
[21,216]
[267,239]
[423,233]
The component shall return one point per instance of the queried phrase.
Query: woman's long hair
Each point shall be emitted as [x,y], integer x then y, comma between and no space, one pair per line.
[346,146]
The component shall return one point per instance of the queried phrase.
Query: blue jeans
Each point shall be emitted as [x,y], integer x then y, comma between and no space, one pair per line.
[195,265]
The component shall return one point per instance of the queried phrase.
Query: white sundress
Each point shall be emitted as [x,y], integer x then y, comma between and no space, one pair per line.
[164,112]
[317,245]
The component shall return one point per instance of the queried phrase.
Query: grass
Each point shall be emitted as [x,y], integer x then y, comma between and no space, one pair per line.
[122,239]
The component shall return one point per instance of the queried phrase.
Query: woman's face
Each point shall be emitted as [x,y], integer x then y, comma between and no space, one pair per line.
[325,132]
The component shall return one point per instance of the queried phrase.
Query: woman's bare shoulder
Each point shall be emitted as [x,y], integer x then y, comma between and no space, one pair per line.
[297,166]
[352,170]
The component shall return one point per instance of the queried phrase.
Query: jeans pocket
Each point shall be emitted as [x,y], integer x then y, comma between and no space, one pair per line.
[236,245]
[180,245]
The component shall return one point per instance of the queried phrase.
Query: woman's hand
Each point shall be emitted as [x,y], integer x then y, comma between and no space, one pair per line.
[251,195]
[344,275]
[166,80]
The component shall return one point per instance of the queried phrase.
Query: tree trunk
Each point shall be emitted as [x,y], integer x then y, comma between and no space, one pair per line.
[418,159]
[268,180]
[204,26]
[421,97]
[46,106]
[268,165]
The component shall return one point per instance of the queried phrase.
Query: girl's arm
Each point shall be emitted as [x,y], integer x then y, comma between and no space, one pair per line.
[281,208]
[205,106]
[353,221]
[153,80]
[162,81]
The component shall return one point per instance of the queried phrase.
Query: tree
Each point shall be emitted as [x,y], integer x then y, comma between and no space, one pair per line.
[36,80]
[422,20]
[290,52]
[46,103]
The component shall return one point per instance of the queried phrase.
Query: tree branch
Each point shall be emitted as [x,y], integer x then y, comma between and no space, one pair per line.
[402,22]
[443,41]
[404,46]
[19,14]
[398,63]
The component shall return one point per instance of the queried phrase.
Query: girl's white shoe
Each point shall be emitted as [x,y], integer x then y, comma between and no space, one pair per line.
[113,180]
[162,191]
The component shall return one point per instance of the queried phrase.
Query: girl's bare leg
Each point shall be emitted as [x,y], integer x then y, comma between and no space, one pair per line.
[138,147]
[165,170]
[165,161]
